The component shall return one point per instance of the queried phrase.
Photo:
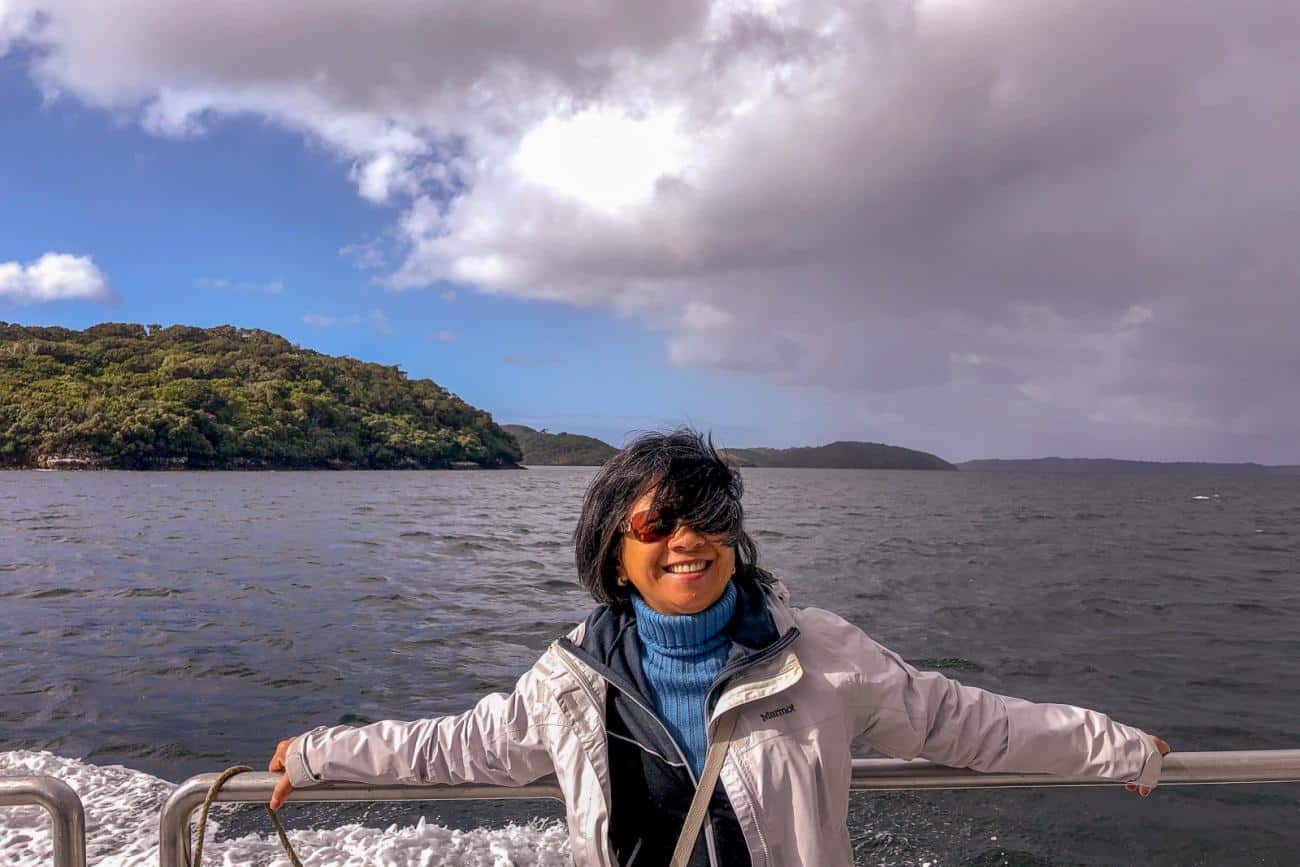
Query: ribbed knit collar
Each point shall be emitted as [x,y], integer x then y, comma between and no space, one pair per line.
[684,631]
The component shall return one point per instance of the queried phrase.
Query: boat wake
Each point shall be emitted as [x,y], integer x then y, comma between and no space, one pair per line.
[122,808]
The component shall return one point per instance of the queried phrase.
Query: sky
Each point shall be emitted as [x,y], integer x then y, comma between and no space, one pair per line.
[972,227]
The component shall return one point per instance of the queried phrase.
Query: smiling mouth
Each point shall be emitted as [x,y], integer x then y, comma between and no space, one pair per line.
[694,567]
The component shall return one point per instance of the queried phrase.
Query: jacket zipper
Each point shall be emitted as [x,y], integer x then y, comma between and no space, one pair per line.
[569,663]
[727,672]
[758,827]
[740,665]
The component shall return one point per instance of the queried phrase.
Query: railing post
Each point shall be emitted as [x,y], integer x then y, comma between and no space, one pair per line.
[174,821]
[67,816]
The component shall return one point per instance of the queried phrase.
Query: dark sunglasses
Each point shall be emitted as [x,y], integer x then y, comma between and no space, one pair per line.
[654,525]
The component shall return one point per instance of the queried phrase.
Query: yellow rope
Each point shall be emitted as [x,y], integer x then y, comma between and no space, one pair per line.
[212,796]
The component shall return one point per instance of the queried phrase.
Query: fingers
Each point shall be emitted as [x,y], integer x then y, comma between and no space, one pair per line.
[281,750]
[283,789]
[1162,745]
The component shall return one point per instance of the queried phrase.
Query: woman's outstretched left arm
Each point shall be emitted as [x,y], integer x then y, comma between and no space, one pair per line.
[909,713]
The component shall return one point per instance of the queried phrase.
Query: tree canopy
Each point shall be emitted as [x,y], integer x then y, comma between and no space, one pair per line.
[543,448]
[131,396]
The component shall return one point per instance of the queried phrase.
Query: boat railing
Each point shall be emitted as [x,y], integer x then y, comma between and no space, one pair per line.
[1191,768]
[67,816]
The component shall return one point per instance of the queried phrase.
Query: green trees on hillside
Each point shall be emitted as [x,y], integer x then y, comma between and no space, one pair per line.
[129,396]
[543,448]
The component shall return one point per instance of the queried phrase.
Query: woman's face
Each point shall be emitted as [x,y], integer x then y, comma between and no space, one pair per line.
[682,574]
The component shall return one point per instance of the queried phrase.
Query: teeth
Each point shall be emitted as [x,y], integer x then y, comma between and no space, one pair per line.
[697,566]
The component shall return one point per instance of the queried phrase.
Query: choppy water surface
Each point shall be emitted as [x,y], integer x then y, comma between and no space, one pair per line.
[175,623]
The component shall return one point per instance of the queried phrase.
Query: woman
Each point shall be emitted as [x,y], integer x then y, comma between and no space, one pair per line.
[694,665]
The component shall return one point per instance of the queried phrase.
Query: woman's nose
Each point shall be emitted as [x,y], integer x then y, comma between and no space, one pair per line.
[686,537]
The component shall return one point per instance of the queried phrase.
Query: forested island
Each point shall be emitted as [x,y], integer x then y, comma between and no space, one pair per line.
[143,397]
[543,448]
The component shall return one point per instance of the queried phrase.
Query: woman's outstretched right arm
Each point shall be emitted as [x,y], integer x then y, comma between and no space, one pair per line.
[500,741]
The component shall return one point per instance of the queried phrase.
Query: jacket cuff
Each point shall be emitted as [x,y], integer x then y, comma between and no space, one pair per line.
[296,767]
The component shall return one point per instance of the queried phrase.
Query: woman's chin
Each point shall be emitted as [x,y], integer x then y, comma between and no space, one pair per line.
[691,595]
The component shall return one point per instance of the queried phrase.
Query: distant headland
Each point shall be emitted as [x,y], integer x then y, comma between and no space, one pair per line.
[846,455]
[144,397]
[543,448]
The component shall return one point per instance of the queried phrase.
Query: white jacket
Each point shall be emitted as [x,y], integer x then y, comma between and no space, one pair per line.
[788,768]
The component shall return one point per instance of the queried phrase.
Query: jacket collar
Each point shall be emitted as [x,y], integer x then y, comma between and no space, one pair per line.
[760,618]
[760,627]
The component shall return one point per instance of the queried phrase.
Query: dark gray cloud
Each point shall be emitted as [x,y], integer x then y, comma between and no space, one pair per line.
[991,228]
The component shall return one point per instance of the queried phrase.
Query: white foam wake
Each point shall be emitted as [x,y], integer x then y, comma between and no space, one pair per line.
[122,830]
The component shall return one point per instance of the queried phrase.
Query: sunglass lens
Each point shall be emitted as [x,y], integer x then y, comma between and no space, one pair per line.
[649,527]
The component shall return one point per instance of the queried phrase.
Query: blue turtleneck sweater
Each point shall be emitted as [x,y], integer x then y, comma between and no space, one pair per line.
[680,657]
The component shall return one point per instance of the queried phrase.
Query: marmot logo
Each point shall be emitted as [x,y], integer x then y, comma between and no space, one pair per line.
[780,711]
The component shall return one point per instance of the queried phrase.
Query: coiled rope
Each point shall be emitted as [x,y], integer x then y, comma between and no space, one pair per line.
[212,796]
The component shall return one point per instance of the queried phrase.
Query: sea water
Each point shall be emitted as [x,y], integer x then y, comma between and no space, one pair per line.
[158,625]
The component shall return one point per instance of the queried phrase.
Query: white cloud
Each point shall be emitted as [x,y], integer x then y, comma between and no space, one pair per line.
[269,287]
[14,25]
[366,256]
[55,277]
[375,319]
[603,158]
[379,323]
[444,335]
[330,321]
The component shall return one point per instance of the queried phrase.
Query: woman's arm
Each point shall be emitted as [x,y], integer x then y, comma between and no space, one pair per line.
[500,741]
[911,713]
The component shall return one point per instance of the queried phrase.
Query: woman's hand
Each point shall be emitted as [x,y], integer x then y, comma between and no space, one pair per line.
[1132,787]
[283,788]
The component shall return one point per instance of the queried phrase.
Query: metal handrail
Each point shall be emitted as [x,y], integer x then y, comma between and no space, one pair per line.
[1179,769]
[1238,766]
[67,816]
[174,821]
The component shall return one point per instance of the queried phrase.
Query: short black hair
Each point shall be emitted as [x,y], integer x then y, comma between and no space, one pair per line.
[687,474]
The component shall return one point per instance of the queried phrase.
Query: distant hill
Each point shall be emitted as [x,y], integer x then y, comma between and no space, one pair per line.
[542,448]
[137,397]
[545,449]
[1109,466]
[841,455]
